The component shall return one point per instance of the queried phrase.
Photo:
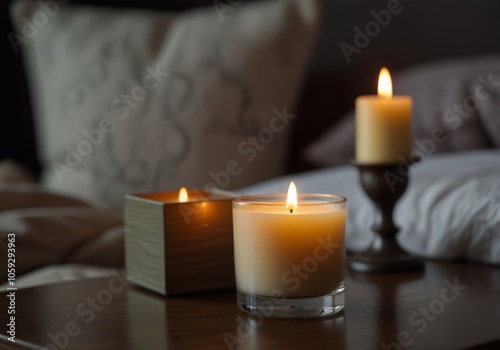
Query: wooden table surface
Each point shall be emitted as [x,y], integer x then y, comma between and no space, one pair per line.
[448,306]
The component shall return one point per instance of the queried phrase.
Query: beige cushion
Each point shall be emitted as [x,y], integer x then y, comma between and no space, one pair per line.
[130,101]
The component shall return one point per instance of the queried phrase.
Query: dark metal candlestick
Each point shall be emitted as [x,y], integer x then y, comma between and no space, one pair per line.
[384,185]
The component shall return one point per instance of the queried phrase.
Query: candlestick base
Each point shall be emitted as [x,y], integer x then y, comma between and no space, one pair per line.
[314,307]
[363,262]
[384,184]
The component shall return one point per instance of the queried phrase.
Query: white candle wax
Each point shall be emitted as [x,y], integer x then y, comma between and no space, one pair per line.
[383,125]
[292,255]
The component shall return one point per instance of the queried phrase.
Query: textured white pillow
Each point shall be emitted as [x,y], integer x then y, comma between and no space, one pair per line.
[451,209]
[136,101]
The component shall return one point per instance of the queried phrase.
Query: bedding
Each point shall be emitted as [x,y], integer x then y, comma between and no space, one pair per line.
[135,101]
[451,210]
[459,97]
[55,229]
[59,273]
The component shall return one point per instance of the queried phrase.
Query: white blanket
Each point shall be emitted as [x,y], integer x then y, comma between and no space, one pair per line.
[451,209]
[53,229]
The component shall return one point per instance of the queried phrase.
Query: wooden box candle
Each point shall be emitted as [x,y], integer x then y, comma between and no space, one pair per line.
[176,245]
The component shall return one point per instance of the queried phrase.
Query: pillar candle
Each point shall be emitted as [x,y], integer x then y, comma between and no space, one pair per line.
[289,249]
[383,125]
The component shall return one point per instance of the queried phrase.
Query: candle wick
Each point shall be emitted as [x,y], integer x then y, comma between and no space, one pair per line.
[291,211]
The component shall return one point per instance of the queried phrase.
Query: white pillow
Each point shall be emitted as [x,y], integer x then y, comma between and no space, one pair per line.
[451,209]
[136,101]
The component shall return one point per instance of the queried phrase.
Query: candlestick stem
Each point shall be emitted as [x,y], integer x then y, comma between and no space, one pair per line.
[384,185]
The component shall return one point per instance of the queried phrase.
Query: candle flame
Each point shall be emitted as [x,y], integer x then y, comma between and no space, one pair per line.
[183,195]
[384,83]
[291,198]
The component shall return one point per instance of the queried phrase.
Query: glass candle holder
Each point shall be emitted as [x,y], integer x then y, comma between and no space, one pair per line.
[290,262]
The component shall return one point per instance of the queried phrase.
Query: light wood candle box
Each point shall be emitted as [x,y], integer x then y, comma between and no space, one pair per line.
[173,247]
